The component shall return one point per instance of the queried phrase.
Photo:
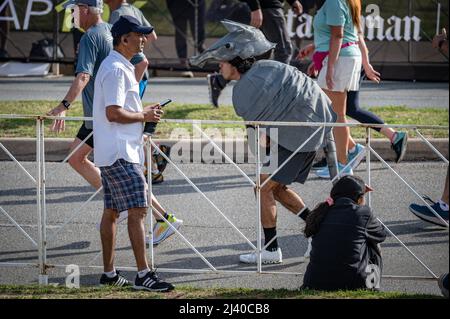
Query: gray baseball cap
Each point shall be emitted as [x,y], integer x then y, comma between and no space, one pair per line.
[242,41]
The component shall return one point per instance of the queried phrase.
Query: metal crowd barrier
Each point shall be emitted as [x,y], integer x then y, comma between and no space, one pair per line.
[43,239]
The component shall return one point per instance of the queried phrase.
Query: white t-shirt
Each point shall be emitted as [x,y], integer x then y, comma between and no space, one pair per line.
[116,84]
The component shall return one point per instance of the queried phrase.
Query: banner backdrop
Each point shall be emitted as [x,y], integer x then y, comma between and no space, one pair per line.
[396,31]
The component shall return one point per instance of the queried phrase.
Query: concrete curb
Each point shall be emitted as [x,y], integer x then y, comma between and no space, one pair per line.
[24,149]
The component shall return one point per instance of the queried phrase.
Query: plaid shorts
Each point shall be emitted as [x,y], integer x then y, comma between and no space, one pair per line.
[123,186]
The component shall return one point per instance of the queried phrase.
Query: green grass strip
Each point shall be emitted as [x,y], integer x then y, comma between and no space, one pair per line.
[185,292]
[26,128]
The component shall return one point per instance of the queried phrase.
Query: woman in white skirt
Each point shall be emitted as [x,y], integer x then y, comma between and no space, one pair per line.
[355,150]
[336,36]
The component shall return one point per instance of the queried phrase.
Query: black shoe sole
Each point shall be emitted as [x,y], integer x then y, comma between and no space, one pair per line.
[427,220]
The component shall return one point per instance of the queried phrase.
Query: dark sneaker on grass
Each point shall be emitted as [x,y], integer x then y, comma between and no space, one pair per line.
[117,281]
[399,145]
[151,282]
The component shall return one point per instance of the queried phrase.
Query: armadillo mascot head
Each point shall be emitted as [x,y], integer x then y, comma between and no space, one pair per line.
[242,41]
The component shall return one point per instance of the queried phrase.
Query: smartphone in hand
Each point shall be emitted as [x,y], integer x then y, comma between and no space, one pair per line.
[150,127]
[164,103]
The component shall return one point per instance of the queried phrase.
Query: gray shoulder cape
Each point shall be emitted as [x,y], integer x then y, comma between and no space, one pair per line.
[274,91]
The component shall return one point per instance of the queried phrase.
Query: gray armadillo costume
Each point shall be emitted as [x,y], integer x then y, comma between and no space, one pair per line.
[274,91]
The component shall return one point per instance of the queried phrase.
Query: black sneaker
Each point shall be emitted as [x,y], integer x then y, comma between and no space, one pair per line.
[160,161]
[117,281]
[214,89]
[399,145]
[157,178]
[321,164]
[151,282]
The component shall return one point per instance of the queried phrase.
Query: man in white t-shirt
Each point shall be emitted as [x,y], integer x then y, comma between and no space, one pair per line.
[118,136]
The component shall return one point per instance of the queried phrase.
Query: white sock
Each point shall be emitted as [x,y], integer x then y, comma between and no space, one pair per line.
[352,150]
[111,274]
[144,272]
[155,171]
[444,206]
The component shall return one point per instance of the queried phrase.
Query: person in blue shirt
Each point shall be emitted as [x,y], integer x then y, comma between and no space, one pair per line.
[94,47]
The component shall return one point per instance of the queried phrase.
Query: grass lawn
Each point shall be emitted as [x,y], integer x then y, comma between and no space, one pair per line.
[26,128]
[184,292]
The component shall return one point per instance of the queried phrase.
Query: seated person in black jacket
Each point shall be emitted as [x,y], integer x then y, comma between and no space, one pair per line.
[345,237]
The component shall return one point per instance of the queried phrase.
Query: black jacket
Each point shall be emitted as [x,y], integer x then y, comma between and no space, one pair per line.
[266,4]
[341,250]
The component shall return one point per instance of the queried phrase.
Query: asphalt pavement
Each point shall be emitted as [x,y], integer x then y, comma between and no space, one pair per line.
[79,243]
[195,90]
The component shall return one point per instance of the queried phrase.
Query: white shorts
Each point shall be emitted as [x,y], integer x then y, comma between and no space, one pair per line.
[347,72]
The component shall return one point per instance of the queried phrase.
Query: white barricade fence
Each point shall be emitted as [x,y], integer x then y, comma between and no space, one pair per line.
[44,238]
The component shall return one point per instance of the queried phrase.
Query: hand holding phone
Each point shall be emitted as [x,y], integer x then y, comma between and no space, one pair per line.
[150,127]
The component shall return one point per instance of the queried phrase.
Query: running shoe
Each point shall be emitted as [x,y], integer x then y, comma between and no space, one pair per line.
[160,161]
[399,145]
[117,281]
[267,257]
[157,178]
[424,213]
[325,173]
[162,230]
[151,282]
[359,154]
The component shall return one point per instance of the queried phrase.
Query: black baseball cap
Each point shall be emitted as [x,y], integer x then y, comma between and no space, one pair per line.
[350,186]
[127,24]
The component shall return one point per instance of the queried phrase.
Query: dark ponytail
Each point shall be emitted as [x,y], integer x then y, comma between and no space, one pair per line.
[315,218]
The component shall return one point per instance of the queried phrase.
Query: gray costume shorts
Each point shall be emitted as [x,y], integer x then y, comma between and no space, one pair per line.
[296,170]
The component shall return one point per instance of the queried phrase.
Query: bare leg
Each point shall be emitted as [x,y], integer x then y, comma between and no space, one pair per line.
[341,134]
[388,132]
[80,163]
[268,204]
[289,199]
[108,238]
[157,206]
[136,231]
[351,142]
